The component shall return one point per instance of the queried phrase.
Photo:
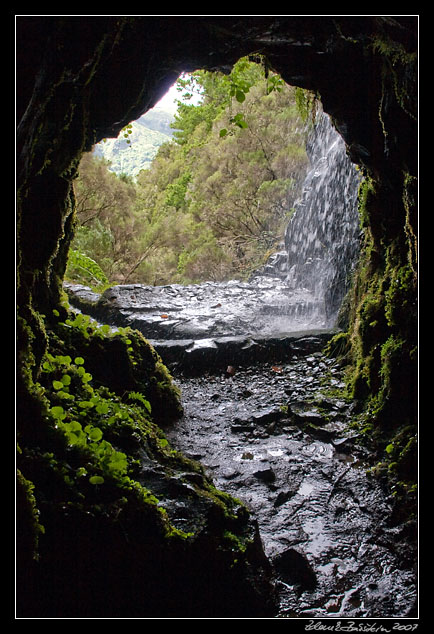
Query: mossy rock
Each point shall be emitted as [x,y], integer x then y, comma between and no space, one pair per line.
[113,522]
[123,361]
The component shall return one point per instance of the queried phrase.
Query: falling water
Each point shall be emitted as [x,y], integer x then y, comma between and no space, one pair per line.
[322,237]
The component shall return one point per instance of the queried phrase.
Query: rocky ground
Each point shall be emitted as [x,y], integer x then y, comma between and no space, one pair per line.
[278,437]
[265,413]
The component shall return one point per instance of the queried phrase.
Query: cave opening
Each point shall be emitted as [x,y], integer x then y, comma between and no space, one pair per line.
[217,197]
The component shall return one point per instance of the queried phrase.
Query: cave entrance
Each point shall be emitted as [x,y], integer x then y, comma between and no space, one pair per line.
[229,194]
[76,99]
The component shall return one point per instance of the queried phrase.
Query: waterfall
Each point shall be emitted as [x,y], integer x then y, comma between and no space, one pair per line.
[322,236]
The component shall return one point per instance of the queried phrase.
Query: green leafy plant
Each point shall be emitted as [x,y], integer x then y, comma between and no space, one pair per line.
[95,407]
[274,82]
[137,396]
[126,131]
[86,266]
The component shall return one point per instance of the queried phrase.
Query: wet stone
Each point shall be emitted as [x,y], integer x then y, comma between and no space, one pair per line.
[270,415]
[282,497]
[324,523]
[295,569]
[266,475]
[239,426]
[205,311]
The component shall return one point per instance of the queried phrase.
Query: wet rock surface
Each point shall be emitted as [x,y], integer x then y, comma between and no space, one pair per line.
[264,412]
[202,326]
[264,306]
[278,438]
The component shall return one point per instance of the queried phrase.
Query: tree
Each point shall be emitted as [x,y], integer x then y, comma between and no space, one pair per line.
[106,219]
[245,182]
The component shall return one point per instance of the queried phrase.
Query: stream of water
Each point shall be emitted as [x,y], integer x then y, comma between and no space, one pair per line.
[322,237]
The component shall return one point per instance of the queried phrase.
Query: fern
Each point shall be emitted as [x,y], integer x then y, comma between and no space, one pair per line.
[137,396]
[85,264]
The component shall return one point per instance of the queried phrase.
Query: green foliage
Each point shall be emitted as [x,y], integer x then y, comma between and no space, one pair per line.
[126,131]
[82,415]
[215,202]
[176,191]
[28,515]
[86,325]
[306,102]
[82,448]
[137,396]
[82,266]
[91,419]
[106,223]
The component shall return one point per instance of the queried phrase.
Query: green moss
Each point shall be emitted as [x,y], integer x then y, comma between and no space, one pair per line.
[28,517]
[398,65]
[379,346]
[89,409]
[72,433]
[391,354]
[398,467]
[338,346]
[237,545]
[410,206]
[232,508]
[366,195]
[398,295]
[138,368]
[383,295]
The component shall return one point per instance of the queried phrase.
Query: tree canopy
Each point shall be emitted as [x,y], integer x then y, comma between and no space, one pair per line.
[215,200]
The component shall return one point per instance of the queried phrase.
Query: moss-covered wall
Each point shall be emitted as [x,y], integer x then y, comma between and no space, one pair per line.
[381,339]
[78,81]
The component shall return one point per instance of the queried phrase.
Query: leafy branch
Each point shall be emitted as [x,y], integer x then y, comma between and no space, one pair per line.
[126,131]
[240,85]
[87,265]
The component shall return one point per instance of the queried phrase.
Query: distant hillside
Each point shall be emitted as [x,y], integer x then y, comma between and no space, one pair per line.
[158,120]
[148,133]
